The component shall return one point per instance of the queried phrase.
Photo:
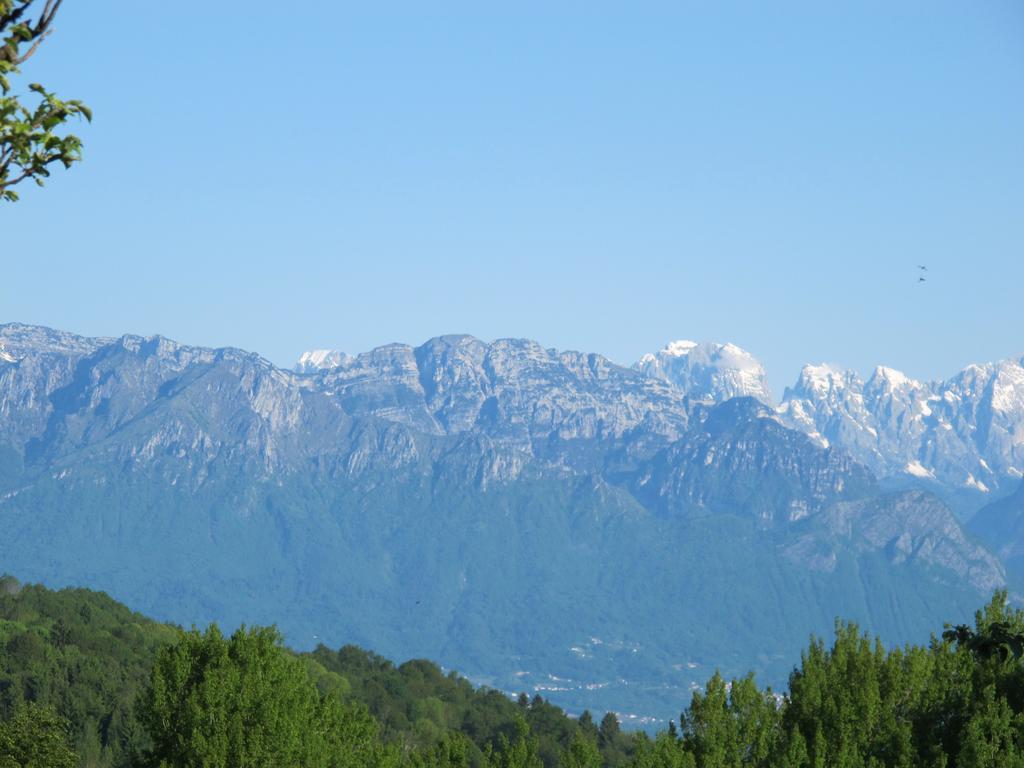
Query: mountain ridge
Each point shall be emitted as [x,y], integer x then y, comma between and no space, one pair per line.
[964,435]
[433,500]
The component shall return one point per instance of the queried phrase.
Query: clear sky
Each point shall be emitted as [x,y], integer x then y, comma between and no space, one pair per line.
[595,175]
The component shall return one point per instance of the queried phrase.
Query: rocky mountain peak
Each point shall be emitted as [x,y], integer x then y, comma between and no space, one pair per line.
[889,380]
[20,340]
[515,391]
[965,433]
[824,381]
[708,371]
[316,360]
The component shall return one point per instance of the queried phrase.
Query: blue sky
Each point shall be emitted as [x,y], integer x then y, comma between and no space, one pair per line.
[597,176]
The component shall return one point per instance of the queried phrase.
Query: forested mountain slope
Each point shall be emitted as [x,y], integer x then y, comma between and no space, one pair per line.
[89,658]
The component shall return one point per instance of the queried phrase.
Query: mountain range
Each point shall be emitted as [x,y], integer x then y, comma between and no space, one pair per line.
[963,438]
[541,520]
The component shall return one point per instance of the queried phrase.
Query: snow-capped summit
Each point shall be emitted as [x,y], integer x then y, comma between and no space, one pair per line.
[320,360]
[679,347]
[966,432]
[708,370]
[827,402]
[891,379]
[825,380]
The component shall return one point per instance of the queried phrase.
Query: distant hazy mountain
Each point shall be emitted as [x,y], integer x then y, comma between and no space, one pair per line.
[1001,526]
[541,520]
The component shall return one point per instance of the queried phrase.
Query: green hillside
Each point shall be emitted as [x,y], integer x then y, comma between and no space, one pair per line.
[81,674]
[89,658]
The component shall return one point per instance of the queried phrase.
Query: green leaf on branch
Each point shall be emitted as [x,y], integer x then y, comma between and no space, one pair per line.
[29,132]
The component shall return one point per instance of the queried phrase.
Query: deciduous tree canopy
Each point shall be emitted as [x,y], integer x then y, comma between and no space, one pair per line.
[244,702]
[31,140]
[36,737]
[138,693]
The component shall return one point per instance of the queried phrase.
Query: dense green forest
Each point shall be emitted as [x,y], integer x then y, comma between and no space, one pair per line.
[84,681]
[90,660]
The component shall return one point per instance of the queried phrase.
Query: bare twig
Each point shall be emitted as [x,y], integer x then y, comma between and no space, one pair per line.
[35,45]
[12,182]
[46,17]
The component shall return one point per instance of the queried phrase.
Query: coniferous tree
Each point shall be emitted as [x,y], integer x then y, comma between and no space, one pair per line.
[608,732]
[587,725]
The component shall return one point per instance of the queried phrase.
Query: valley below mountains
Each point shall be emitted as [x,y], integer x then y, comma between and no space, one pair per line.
[539,520]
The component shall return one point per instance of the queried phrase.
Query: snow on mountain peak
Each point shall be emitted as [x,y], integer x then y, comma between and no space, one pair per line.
[823,378]
[708,370]
[677,348]
[890,378]
[821,371]
[319,359]
[897,425]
